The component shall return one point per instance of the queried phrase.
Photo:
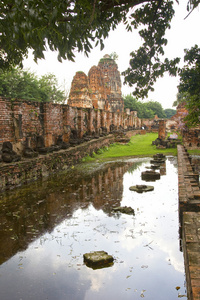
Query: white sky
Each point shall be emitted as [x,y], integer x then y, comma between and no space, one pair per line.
[183,34]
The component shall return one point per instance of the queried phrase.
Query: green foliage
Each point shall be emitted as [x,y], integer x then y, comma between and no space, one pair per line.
[156,107]
[136,105]
[182,97]
[146,65]
[189,85]
[77,26]
[87,158]
[48,86]
[145,110]
[114,56]
[169,112]
[20,84]
[64,26]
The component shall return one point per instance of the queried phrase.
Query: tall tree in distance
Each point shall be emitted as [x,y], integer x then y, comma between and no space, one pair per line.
[145,110]
[156,107]
[169,112]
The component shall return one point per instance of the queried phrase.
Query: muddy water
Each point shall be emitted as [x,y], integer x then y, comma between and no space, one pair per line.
[48,226]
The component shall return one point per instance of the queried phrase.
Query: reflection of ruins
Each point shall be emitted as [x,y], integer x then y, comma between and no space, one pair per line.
[29,212]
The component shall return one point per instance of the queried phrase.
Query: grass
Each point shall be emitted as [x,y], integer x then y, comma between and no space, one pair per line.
[194,152]
[139,145]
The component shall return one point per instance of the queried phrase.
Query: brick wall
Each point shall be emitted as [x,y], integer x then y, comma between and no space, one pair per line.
[191,138]
[53,123]
[6,122]
[189,213]
[20,120]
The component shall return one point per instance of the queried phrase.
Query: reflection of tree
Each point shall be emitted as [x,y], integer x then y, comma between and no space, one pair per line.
[134,167]
[29,212]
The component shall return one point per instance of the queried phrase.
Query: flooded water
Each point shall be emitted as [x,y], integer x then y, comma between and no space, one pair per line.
[48,226]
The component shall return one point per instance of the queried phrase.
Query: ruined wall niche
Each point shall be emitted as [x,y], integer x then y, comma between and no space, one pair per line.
[101,89]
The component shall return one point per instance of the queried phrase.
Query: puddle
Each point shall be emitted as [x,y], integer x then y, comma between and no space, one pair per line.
[48,226]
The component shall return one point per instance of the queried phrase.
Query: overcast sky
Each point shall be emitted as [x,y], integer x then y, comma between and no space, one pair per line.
[183,35]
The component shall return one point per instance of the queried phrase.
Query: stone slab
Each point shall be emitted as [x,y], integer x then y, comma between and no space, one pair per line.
[98,259]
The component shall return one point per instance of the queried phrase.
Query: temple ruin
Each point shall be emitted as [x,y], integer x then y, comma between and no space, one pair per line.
[101,89]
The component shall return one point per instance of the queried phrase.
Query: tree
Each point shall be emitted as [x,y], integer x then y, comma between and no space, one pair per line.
[169,112]
[156,107]
[24,85]
[142,109]
[131,103]
[114,56]
[145,112]
[68,26]
[181,98]
[49,89]
[189,86]
[148,109]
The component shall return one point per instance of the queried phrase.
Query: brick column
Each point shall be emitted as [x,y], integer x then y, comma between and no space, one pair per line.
[90,119]
[98,120]
[48,141]
[103,118]
[66,123]
[109,118]
[162,129]
[80,123]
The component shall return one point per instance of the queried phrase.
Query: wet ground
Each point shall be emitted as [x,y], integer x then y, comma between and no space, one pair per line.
[48,226]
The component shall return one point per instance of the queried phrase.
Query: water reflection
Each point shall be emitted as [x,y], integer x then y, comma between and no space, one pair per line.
[47,227]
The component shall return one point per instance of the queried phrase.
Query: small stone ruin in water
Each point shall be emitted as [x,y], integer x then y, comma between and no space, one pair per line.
[141,188]
[156,163]
[158,159]
[150,175]
[124,209]
[98,259]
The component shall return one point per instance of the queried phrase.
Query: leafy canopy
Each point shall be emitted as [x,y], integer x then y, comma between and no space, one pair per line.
[24,85]
[181,98]
[69,26]
[189,87]
[169,112]
[145,110]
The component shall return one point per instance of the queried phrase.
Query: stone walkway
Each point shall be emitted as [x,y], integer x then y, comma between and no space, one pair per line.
[189,208]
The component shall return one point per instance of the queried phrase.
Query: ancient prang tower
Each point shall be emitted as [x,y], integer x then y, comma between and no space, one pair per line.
[101,89]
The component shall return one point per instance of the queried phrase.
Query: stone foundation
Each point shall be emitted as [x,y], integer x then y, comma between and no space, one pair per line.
[28,170]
